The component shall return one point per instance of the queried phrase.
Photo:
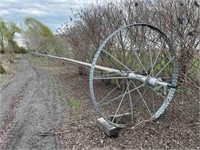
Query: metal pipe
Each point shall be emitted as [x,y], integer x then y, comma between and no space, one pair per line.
[145,79]
[107,69]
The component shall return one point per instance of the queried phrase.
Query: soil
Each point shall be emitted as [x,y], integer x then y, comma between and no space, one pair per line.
[32,102]
[46,105]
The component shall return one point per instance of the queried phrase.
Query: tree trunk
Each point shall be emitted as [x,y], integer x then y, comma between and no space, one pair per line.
[185,60]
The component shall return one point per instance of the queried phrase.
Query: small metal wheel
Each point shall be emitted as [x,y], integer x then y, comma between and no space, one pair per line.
[138,78]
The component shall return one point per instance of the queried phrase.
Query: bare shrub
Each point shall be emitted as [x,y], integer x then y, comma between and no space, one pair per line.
[178,19]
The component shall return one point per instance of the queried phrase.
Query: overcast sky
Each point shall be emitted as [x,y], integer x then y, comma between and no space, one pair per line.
[50,12]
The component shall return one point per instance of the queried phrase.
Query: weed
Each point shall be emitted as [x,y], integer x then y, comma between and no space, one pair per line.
[75,106]
[181,90]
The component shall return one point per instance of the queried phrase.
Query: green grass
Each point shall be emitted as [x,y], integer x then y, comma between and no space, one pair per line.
[75,106]
[45,63]
[42,61]
[194,69]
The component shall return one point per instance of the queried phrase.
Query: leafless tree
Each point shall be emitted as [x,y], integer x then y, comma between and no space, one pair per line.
[178,19]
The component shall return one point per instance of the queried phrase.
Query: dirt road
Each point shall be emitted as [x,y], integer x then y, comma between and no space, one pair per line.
[32,102]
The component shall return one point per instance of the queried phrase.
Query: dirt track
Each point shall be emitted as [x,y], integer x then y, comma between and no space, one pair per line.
[32,102]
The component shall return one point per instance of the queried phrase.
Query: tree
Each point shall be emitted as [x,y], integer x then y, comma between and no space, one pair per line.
[7,32]
[178,19]
[3,30]
[37,35]
[39,38]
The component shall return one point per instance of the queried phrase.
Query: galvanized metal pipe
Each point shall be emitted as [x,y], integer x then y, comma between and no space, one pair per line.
[107,69]
[145,79]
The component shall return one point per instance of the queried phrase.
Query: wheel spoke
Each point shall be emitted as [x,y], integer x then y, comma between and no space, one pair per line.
[120,104]
[131,103]
[143,100]
[155,62]
[150,55]
[149,48]
[123,38]
[117,60]
[156,59]
[140,62]
[114,99]
[164,66]
[108,94]
[159,94]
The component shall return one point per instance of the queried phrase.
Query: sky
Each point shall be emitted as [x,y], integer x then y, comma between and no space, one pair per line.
[52,13]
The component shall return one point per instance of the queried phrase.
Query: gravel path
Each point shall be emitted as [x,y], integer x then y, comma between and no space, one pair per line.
[32,102]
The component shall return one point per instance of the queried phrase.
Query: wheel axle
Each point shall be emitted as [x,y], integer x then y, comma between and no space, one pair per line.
[148,80]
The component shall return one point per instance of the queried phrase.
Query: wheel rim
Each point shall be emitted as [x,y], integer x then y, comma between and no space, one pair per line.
[138,48]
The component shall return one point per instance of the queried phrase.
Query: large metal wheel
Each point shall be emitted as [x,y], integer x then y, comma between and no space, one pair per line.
[143,77]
